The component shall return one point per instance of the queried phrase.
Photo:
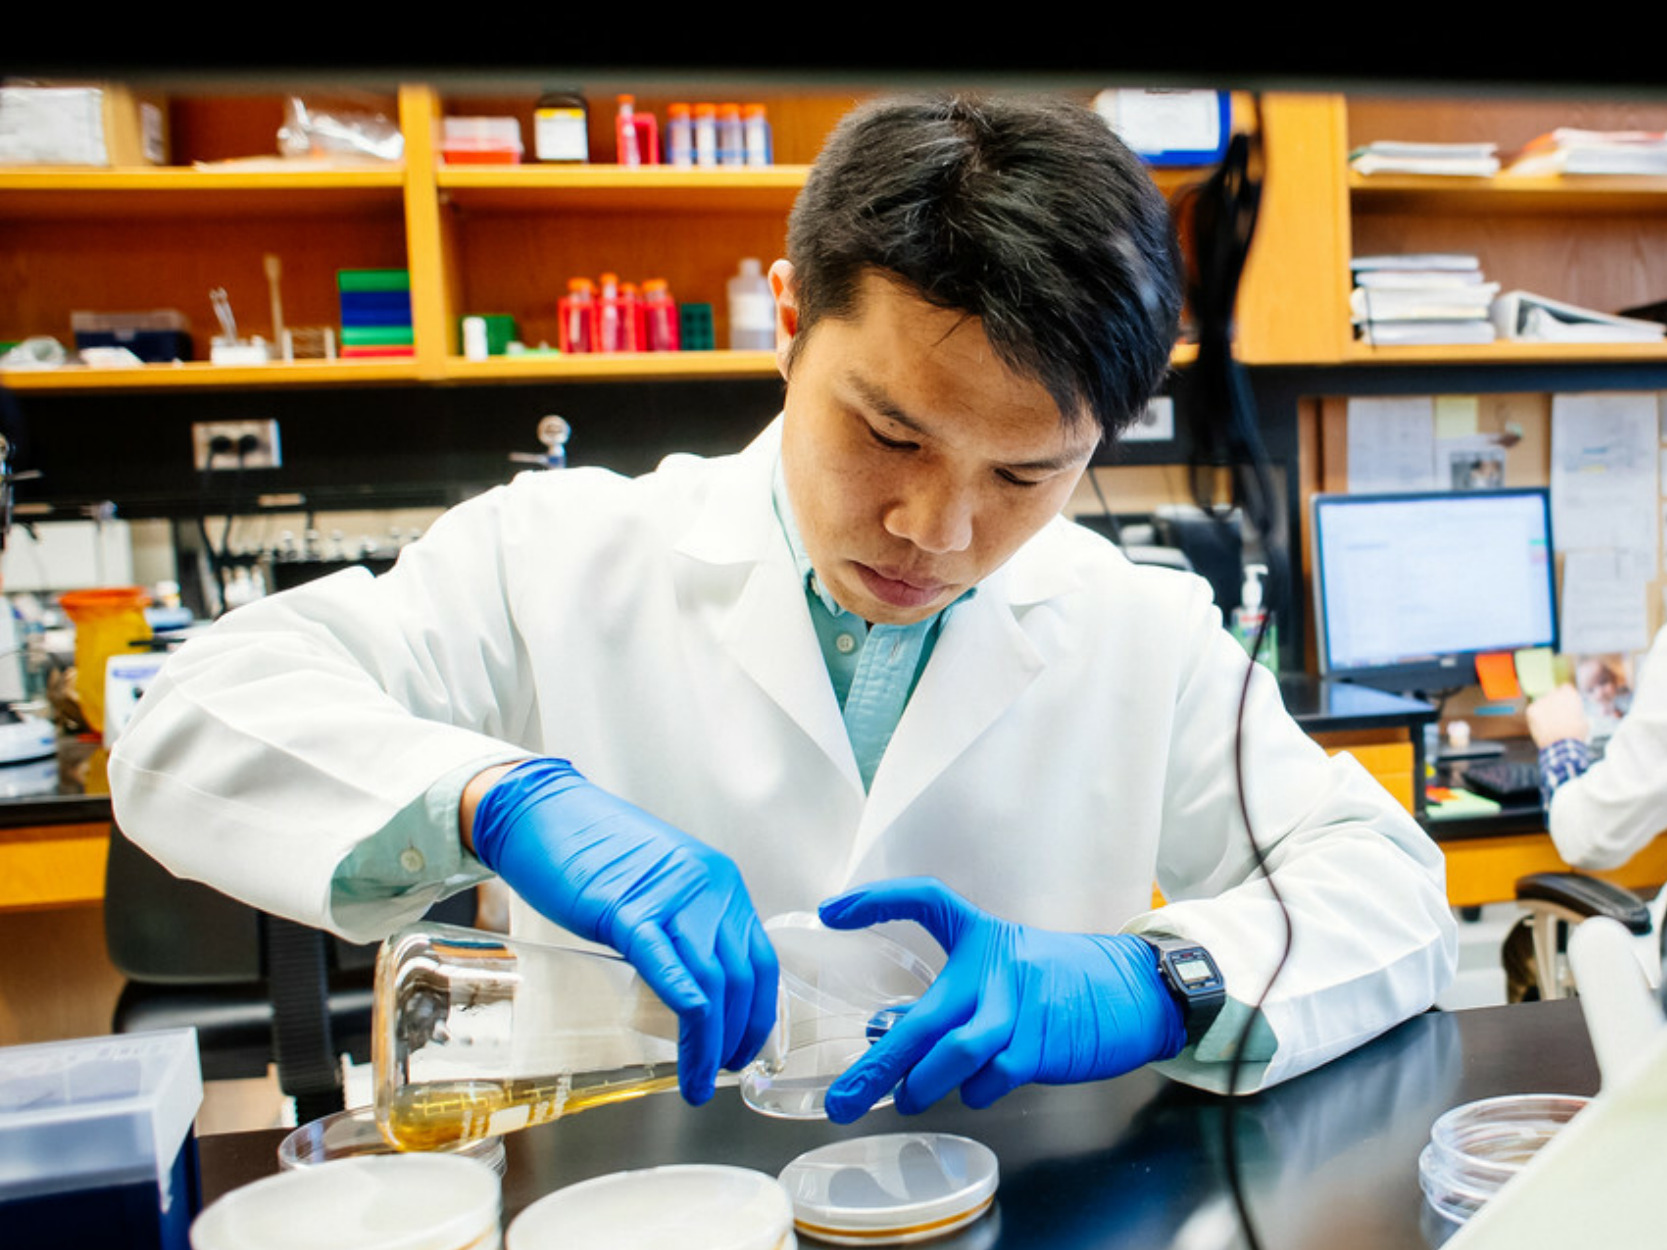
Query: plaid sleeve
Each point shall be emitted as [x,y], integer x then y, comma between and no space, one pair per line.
[1561,761]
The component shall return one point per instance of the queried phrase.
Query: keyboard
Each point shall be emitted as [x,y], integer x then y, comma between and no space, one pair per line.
[1512,782]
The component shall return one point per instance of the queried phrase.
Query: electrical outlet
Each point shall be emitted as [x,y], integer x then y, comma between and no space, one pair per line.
[257,439]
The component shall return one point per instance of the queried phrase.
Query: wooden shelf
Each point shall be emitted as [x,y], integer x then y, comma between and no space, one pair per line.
[1506,353]
[207,376]
[77,194]
[655,189]
[1576,195]
[623,367]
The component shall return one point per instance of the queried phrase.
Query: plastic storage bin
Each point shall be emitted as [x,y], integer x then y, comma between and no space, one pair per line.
[96,1141]
[481,141]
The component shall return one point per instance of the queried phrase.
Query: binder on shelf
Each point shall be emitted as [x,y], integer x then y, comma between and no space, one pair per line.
[1522,315]
[1387,156]
[1568,150]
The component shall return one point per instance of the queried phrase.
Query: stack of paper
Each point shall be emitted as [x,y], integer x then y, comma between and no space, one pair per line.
[1570,151]
[1421,298]
[1464,160]
[1535,318]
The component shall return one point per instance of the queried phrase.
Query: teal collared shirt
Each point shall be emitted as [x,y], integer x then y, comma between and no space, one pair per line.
[874,668]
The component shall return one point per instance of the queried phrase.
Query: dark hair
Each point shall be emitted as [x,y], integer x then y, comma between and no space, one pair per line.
[1026,213]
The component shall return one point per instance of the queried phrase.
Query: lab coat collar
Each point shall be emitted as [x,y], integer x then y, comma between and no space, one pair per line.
[983,661]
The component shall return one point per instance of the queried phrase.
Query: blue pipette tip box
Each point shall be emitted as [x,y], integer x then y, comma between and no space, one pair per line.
[97,1147]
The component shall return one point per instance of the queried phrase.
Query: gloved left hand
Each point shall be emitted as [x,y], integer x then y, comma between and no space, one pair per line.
[1013,1004]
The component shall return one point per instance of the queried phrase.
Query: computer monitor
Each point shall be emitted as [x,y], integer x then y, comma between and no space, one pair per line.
[1410,588]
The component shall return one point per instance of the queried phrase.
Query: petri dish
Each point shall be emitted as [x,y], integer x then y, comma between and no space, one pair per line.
[392,1202]
[840,990]
[1476,1148]
[353,1134]
[891,1189]
[678,1207]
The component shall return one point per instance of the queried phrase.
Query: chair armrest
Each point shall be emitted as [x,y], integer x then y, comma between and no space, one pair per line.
[1580,896]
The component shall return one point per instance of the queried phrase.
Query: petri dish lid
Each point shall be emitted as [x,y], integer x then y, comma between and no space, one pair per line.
[840,990]
[891,1189]
[392,1202]
[353,1134]
[678,1207]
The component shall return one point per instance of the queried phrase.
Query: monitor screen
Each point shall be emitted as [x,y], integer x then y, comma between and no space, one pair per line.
[1410,588]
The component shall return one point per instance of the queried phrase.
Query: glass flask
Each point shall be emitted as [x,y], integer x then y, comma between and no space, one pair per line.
[475,1034]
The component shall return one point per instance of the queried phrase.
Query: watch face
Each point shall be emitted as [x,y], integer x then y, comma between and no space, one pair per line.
[1193,970]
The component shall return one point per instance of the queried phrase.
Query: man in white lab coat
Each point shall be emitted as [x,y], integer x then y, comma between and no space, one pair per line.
[863,655]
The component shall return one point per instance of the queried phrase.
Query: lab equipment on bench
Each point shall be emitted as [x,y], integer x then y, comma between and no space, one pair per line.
[475,1035]
[553,432]
[694,1206]
[892,1188]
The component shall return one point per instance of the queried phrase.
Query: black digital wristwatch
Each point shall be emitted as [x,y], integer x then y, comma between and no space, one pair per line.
[1193,979]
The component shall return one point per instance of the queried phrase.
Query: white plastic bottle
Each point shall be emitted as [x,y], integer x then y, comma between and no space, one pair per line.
[1249,615]
[752,309]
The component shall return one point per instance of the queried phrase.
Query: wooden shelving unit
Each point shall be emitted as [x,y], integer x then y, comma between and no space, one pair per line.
[475,238]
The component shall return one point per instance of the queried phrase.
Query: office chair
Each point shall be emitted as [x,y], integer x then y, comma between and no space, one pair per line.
[1535,954]
[259,989]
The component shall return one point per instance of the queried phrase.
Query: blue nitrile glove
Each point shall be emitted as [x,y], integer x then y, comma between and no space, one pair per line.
[673,906]
[1013,1004]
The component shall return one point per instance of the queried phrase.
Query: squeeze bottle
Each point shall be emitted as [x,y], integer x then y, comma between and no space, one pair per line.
[1248,618]
[752,309]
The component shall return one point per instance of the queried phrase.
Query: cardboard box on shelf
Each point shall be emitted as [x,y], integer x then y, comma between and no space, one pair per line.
[100,124]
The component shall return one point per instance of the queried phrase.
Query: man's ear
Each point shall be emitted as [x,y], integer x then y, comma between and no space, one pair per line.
[787,312]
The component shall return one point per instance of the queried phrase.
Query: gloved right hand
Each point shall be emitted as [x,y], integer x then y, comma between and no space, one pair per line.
[671,905]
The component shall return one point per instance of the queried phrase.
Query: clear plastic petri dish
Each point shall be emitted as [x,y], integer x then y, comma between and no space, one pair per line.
[689,1206]
[393,1202]
[891,1189]
[840,991]
[352,1134]
[1476,1148]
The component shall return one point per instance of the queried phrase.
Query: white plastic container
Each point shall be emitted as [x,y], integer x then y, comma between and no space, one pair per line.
[393,1202]
[91,1131]
[689,1207]
[752,310]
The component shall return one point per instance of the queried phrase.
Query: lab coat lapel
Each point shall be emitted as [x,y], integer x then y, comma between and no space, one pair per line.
[982,663]
[759,608]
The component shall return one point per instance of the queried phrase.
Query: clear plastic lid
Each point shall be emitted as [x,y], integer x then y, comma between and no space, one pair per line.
[840,991]
[891,1189]
[1476,1148]
[683,1207]
[353,1134]
[392,1202]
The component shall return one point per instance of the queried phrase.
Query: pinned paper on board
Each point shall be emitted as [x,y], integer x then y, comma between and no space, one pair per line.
[1391,445]
[1536,673]
[1497,672]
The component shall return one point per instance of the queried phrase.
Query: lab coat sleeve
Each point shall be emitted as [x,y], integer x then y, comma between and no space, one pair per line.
[1605,816]
[299,726]
[1373,939]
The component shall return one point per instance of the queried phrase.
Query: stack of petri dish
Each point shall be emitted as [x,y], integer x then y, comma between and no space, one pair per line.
[1476,1148]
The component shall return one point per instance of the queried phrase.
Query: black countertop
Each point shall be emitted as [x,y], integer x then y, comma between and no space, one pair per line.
[1329,1159]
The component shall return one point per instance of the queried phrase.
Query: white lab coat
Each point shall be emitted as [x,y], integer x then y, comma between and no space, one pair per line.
[1609,813]
[1070,743]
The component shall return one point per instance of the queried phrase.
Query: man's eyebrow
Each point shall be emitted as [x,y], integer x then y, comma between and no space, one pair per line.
[885,406]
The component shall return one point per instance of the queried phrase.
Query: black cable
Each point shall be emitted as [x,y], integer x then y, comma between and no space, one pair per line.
[1217,219]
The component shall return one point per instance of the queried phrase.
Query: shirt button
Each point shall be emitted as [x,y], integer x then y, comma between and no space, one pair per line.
[411,859]
[845,644]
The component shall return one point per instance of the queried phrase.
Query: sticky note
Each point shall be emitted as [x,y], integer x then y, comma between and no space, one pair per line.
[1534,671]
[1456,416]
[1498,675]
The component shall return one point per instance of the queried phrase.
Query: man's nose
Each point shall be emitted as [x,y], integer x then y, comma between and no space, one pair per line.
[935,514]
